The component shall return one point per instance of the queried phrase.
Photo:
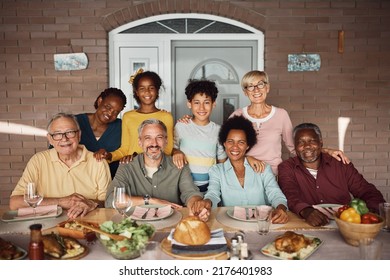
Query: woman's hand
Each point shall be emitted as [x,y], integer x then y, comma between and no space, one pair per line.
[279,216]
[257,165]
[102,154]
[128,158]
[337,154]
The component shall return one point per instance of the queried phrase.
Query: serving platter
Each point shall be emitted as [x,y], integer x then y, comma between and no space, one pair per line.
[76,231]
[12,216]
[270,250]
[152,206]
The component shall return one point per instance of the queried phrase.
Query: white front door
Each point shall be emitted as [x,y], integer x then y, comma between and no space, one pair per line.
[177,57]
[224,62]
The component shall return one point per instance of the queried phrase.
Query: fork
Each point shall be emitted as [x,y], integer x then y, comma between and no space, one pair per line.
[329,210]
[155,213]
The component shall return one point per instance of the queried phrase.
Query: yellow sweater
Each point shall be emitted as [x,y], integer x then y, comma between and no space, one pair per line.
[130,122]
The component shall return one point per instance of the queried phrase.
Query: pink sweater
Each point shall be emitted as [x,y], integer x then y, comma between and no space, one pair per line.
[270,131]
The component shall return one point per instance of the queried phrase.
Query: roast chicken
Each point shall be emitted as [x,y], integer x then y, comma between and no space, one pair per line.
[291,242]
[61,247]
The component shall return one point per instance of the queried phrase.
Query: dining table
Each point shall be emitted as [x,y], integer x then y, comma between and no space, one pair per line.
[333,246]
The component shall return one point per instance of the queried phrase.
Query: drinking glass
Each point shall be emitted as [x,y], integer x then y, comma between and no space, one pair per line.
[122,201]
[370,249]
[152,251]
[32,197]
[384,211]
[263,216]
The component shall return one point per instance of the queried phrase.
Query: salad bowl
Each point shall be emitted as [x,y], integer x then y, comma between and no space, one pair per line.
[131,247]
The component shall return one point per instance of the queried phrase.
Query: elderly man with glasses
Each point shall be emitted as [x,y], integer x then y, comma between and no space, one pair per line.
[67,175]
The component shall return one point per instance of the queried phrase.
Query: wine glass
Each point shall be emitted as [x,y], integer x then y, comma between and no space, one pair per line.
[32,197]
[122,201]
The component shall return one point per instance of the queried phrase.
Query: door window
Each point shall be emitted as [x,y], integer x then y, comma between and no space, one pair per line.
[215,70]
[185,26]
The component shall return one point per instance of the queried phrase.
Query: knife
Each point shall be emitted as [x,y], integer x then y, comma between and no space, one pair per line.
[145,214]
[247,213]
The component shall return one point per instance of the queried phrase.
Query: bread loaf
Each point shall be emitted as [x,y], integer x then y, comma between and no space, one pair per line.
[192,231]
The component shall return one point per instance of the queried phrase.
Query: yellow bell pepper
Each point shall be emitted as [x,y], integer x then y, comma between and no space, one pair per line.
[350,215]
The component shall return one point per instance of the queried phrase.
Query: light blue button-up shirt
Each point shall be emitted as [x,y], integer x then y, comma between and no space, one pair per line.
[259,188]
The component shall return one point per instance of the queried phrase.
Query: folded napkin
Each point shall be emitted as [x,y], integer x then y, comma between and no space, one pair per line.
[45,210]
[240,213]
[216,244]
[162,212]
[328,211]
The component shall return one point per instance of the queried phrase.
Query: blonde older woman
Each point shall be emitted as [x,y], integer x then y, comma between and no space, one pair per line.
[272,124]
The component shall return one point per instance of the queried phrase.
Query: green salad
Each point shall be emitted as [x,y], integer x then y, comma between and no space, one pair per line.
[138,235]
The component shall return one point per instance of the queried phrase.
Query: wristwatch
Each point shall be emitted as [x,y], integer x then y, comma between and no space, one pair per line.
[146,199]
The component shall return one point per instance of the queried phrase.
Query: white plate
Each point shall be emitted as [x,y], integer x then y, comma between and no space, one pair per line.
[269,250]
[152,218]
[230,213]
[335,207]
[23,255]
[12,216]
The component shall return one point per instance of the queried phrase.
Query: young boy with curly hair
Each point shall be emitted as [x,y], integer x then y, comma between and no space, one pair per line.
[196,141]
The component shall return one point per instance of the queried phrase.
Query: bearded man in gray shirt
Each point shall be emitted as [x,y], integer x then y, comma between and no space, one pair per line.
[153,174]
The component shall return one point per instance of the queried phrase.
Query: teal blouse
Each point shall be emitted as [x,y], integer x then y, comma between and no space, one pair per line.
[259,188]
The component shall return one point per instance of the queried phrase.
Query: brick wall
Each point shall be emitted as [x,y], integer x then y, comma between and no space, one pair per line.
[354,84]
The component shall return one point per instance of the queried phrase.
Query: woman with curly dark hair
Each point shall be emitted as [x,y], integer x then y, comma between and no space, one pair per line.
[234,182]
[146,90]
[102,130]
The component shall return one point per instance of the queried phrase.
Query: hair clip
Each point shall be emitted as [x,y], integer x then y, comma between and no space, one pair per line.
[132,77]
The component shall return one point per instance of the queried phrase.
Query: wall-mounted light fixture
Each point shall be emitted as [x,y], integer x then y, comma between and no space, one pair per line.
[341,41]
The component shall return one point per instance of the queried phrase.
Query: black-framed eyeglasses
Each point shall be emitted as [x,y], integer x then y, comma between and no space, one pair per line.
[260,85]
[69,135]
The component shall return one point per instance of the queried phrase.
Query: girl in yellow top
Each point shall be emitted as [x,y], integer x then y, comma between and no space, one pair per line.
[146,87]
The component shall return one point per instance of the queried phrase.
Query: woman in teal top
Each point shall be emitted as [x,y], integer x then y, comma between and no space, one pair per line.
[234,183]
[103,129]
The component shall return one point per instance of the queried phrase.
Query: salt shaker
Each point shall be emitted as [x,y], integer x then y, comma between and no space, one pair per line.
[234,255]
[244,251]
[36,249]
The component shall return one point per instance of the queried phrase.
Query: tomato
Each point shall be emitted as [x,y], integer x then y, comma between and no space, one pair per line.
[365,219]
[370,218]
[123,249]
[341,209]
[350,215]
